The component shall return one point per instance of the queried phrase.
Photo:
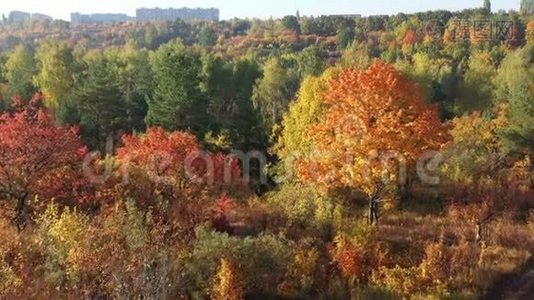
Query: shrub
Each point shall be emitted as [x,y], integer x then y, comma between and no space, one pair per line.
[349,258]
[126,254]
[9,279]
[404,281]
[262,261]
[301,276]
[436,266]
[61,236]
[117,254]
[464,266]
[303,206]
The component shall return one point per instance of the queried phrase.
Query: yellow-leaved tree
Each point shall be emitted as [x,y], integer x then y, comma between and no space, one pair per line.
[294,143]
[476,154]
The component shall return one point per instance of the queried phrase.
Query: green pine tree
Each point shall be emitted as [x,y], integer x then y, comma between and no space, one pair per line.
[101,105]
[487,6]
[177,102]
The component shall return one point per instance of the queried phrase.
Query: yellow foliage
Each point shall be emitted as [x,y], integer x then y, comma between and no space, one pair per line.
[436,265]
[9,280]
[530,32]
[405,281]
[294,142]
[300,277]
[226,285]
[476,148]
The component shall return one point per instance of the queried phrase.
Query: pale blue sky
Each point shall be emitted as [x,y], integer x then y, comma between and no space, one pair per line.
[249,8]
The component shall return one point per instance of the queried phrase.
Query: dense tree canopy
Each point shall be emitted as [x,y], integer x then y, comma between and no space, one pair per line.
[246,153]
[274,92]
[476,152]
[101,104]
[307,110]
[476,92]
[291,22]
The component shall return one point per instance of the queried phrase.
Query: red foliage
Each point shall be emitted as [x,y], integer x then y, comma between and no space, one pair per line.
[349,261]
[158,152]
[410,38]
[176,157]
[170,174]
[223,206]
[36,157]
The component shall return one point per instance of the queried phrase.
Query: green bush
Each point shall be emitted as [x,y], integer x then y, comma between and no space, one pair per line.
[261,261]
[303,206]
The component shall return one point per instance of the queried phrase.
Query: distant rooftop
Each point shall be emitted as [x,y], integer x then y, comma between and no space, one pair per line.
[172,14]
[149,15]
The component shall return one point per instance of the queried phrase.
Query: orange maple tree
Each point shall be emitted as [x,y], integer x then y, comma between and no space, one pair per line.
[36,157]
[376,120]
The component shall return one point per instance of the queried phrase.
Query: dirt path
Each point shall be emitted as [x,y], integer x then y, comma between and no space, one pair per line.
[519,286]
[523,289]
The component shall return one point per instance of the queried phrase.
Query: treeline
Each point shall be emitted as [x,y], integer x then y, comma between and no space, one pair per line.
[236,36]
[193,87]
[117,91]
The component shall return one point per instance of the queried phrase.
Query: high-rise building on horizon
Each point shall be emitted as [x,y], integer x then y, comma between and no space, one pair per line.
[83,19]
[172,14]
[18,16]
[148,15]
[41,17]
[21,17]
[527,7]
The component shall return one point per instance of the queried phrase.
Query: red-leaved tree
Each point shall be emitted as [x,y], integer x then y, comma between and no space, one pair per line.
[169,173]
[37,158]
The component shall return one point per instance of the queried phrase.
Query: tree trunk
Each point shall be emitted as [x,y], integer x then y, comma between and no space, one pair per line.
[373,211]
[404,190]
[480,236]
[20,212]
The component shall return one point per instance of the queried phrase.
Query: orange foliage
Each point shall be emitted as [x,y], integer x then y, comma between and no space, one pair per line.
[530,32]
[349,260]
[410,38]
[370,114]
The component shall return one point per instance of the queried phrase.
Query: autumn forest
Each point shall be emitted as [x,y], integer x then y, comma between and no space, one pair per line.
[331,157]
